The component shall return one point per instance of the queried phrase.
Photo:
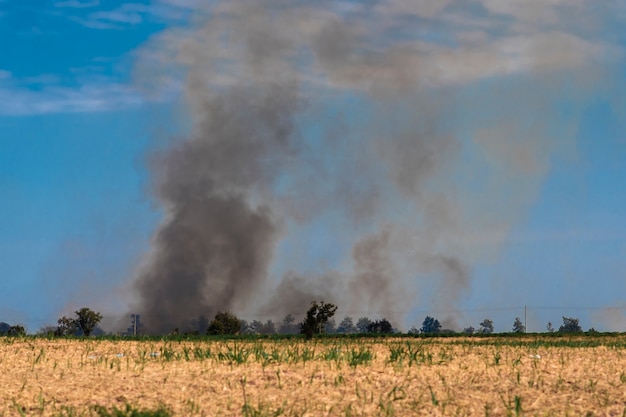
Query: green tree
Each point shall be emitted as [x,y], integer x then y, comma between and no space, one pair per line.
[570,325]
[224,322]
[47,330]
[382,326]
[258,327]
[346,326]
[486,326]
[269,327]
[66,326]
[289,325]
[469,330]
[17,330]
[316,318]
[362,324]
[430,325]
[518,326]
[86,320]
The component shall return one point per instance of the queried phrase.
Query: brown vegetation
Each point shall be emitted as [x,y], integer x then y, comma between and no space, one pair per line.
[393,376]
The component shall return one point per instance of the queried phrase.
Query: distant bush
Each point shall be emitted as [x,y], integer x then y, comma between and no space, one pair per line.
[4,327]
[430,325]
[346,326]
[224,323]
[570,325]
[8,330]
[362,323]
[84,324]
[486,326]
[518,326]
[66,327]
[17,330]
[380,326]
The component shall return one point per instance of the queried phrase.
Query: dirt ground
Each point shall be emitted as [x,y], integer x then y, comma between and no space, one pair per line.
[369,377]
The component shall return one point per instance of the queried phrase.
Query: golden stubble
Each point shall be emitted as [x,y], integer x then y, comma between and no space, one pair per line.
[336,377]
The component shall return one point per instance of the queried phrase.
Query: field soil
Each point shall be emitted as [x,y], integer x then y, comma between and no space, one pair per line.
[330,377]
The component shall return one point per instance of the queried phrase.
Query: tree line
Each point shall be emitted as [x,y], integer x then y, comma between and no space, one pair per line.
[319,319]
[83,323]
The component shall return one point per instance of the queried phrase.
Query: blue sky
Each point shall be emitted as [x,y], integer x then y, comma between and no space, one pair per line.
[523,99]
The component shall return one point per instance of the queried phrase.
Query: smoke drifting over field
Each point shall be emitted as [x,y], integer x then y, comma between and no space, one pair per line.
[350,152]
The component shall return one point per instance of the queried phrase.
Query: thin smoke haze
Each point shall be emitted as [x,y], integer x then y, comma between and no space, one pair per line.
[337,152]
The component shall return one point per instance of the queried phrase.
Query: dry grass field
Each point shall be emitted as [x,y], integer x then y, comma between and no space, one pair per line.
[475,376]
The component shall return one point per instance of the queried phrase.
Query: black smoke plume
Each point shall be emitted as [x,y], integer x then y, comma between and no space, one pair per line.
[214,246]
[351,126]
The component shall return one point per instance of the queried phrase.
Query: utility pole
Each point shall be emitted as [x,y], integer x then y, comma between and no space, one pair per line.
[525,325]
[134,324]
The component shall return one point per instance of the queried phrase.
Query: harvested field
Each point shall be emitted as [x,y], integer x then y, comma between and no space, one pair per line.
[338,377]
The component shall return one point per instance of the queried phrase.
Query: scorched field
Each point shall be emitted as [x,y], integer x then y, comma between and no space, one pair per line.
[470,376]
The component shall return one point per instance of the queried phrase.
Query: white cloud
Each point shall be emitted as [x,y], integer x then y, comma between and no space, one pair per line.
[88,98]
[118,16]
[94,24]
[127,14]
[134,14]
[46,93]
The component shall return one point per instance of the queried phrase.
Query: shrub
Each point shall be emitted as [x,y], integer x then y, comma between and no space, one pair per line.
[130,411]
[570,325]
[17,330]
[486,326]
[224,322]
[380,326]
[66,327]
[430,325]
[362,324]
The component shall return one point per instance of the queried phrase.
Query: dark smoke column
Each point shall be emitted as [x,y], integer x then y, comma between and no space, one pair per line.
[214,245]
[394,184]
